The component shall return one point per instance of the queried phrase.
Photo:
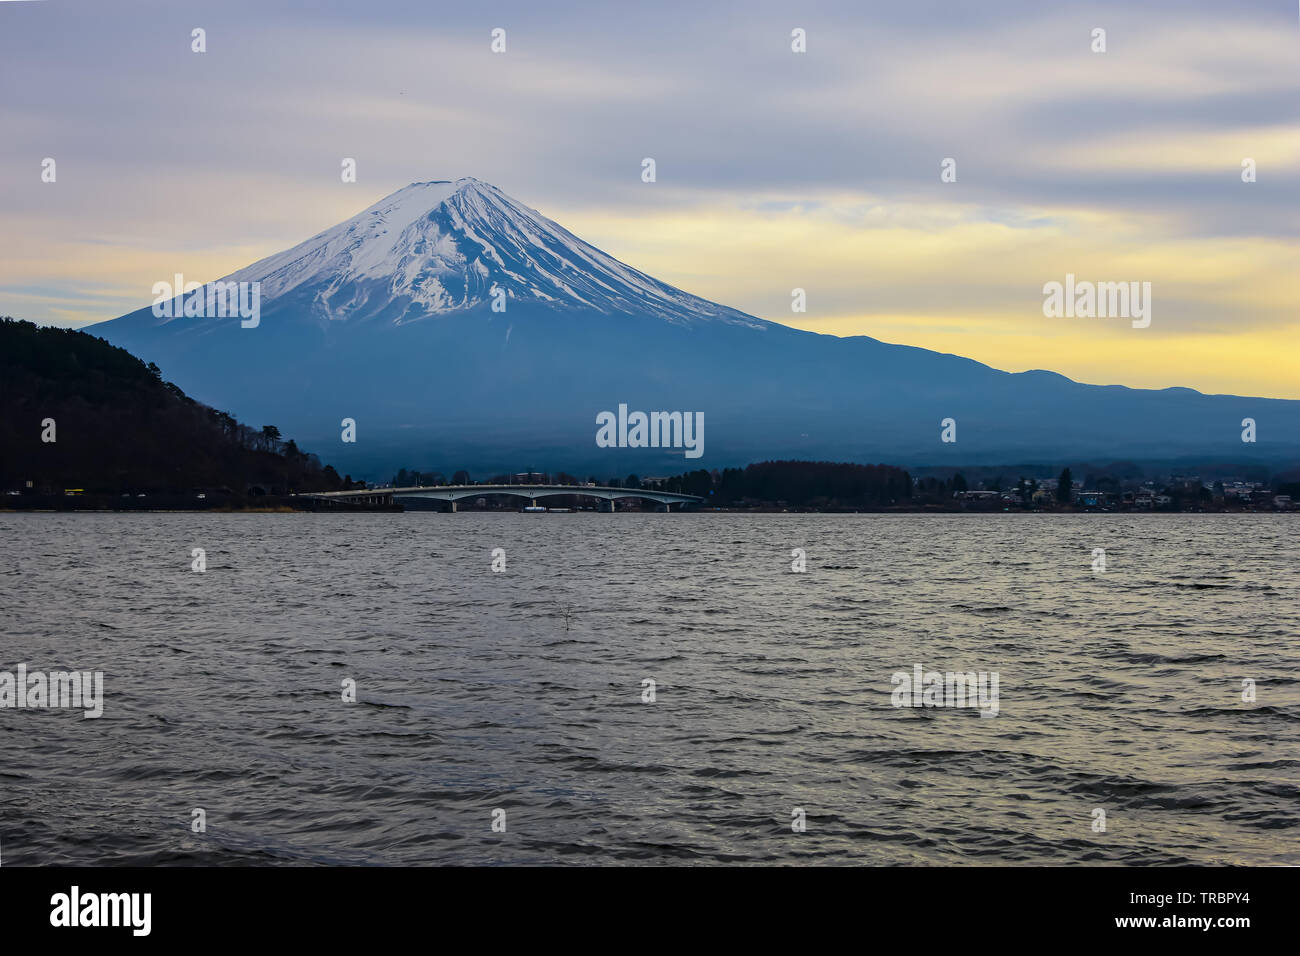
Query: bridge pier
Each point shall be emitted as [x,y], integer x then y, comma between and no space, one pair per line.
[607,505]
[453,505]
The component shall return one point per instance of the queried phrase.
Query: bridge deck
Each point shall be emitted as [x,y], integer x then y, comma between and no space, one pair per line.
[454,493]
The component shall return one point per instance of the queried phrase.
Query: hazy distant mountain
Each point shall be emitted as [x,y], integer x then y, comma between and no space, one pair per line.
[388,319]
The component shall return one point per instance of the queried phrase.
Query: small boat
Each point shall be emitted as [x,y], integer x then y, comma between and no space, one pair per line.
[533,509]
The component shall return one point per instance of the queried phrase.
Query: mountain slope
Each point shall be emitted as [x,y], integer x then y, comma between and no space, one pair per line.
[439,247]
[387,318]
[117,426]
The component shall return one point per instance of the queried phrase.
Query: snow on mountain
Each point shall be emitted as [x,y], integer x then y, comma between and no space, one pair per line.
[438,247]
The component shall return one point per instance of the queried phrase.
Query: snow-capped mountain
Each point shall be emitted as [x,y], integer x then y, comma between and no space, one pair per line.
[459,328]
[440,247]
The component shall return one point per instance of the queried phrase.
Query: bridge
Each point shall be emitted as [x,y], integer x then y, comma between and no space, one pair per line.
[453,493]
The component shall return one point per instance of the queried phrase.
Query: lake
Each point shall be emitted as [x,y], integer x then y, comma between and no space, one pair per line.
[520,699]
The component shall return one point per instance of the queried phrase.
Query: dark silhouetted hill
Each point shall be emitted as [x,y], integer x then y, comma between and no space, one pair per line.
[119,427]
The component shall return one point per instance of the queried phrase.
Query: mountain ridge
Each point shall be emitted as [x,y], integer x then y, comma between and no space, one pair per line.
[388,318]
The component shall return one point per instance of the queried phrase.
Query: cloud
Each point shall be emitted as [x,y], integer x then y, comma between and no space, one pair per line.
[775,169]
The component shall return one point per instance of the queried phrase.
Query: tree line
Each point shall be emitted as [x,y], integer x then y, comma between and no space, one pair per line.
[799,484]
[81,413]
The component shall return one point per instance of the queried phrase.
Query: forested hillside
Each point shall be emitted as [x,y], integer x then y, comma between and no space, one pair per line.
[79,413]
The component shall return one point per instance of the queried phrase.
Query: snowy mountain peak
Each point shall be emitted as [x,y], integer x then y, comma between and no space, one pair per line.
[438,247]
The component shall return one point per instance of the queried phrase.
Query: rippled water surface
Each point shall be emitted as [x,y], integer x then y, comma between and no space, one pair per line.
[522,690]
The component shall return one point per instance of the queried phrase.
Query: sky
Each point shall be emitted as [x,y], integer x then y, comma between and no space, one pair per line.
[775,170]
